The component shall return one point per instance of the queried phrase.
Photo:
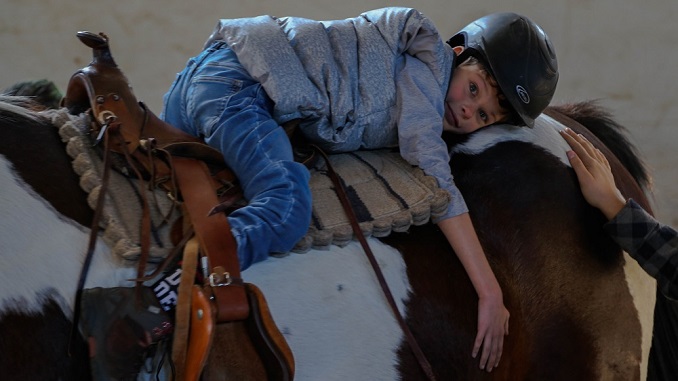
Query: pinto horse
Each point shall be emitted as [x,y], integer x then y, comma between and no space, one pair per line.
[580,309]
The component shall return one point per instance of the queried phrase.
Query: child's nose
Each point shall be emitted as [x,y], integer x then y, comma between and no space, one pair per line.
[468,110]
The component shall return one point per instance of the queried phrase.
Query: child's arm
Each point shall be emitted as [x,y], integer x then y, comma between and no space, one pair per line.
[493,317]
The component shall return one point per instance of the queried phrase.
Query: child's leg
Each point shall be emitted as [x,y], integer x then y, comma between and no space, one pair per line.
[216,98]
[279,209]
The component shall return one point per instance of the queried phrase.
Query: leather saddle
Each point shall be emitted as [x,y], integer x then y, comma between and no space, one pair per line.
[177,161]
[103,90]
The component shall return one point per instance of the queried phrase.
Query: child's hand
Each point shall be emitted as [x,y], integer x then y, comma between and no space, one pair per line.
[492,315]
[493,323]
[594,174]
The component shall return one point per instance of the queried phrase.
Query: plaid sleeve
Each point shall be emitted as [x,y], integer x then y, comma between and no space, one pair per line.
[652,244]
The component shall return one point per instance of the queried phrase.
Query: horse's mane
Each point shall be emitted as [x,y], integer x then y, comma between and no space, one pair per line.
[41,92]
[22,101]
[601,123]
[17,109]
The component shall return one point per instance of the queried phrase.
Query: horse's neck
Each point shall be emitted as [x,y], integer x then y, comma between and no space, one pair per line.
[628,185]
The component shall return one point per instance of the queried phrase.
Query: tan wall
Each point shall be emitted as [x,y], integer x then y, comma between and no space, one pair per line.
[621,51]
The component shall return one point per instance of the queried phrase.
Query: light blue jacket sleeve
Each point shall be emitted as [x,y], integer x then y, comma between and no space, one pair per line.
[420,127]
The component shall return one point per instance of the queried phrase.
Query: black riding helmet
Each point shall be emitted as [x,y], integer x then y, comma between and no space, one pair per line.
[518,54]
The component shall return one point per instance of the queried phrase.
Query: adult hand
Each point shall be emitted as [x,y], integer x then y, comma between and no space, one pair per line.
[595,176]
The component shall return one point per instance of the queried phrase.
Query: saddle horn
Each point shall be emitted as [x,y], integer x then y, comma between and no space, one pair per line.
[102,88]
[101,53]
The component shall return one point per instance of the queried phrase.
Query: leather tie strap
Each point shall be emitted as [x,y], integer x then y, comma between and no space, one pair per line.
[216,240]
[89,255]
[346,204]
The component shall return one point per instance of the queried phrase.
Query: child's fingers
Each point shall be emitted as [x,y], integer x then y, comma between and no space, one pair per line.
[476,345]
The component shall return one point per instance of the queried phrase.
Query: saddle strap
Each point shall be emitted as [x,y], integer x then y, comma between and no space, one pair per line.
[89,255]
[240,308]
[182,316]
[216,241]
[350,213]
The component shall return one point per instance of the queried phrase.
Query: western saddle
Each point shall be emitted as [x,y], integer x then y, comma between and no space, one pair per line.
[224,307]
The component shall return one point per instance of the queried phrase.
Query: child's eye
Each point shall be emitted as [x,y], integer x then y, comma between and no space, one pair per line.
[483,115]
[474,88]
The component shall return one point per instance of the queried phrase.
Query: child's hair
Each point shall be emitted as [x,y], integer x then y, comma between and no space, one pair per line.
[511,115]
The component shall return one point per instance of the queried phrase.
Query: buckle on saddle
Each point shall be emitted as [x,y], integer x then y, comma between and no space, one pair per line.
[105,119]
[220,277]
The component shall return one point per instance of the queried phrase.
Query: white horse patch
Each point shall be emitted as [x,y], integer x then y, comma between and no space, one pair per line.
[331,310]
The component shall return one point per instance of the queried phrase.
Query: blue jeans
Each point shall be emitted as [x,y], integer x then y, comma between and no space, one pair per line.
[215,98]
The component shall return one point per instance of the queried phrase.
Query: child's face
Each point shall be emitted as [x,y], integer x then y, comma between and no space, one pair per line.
[471,102]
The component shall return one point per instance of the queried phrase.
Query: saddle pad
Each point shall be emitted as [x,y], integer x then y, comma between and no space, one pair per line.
[387,193]
[121,215]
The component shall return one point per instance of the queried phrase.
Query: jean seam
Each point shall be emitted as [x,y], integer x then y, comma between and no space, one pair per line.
[284,172]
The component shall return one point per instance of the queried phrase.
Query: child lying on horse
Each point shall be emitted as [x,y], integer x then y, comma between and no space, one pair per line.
[385,78]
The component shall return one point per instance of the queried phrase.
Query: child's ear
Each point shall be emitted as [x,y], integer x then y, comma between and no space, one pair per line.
[458,50]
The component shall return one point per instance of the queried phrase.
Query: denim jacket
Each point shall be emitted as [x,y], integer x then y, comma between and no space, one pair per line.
[374,81]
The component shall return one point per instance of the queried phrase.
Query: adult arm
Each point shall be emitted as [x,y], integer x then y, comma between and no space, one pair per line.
[652,244]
